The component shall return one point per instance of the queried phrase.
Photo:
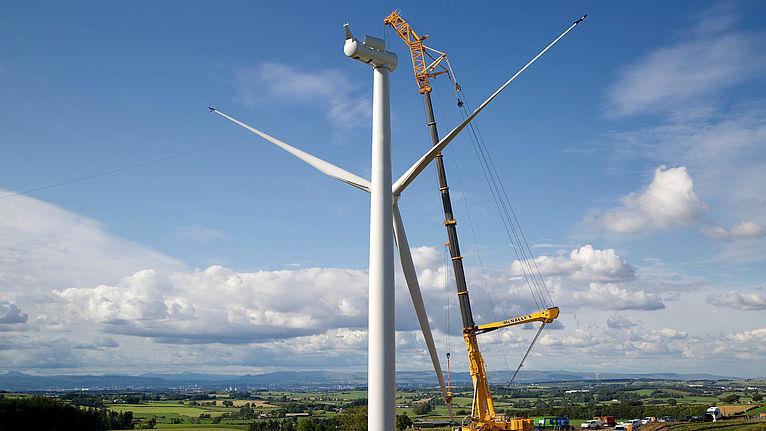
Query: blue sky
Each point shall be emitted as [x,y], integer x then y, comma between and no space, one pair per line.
[633,153]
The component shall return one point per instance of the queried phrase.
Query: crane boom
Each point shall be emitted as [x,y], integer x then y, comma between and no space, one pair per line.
[544,316]
[424,64]
[428,63]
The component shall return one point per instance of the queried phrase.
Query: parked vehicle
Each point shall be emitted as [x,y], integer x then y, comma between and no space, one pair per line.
[609,421]
[556,423]
[713,414]
[592,424]
[623,427]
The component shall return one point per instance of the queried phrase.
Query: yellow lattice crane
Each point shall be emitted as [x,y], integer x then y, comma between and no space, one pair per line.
[428,63]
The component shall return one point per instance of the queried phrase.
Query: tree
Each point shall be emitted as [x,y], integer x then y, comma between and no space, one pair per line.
[733,398]
[757,397]
[422,408]
[402,422]
[306,425]
[353,419]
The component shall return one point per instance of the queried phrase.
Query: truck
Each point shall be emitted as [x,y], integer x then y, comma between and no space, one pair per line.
[609,421]
[592,424]
[555,423]
[713,414]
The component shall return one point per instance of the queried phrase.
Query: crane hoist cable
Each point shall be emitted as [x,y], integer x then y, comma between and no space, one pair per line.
[425,67]
[479,259]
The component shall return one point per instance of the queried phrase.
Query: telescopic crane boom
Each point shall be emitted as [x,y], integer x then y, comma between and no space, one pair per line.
[428,63]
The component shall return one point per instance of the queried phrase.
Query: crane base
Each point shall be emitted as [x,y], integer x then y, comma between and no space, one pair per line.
[515,424]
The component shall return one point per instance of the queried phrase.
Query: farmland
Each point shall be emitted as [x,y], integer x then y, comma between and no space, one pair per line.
[320,409]
[577,400]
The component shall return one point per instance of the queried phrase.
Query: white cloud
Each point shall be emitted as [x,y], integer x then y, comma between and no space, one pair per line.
[739,301]
[45,247]
[576,338]
[585,263]
[100,343]
[684,77]
[619,322]
[610,296]
[749,345]
[302,318]
[744,230]
[273,82]
[668,201]
[10,313]
[753,336]
[222,305]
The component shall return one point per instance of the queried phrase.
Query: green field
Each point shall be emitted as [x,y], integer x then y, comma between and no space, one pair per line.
[202,427]
[168,409]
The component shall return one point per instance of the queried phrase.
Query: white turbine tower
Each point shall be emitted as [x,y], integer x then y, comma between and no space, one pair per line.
[384,214]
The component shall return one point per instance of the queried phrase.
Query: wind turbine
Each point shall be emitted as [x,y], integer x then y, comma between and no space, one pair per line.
[384,213]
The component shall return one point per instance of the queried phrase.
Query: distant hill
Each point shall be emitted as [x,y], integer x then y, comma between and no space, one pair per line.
[16,381]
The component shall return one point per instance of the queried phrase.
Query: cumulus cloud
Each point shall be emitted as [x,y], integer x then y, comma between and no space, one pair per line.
[745,230]
[739,301]
[610,296]
[46,247]
[10,313]
[747,345]
[755,335]
[584,263]
[223,305]
[668,201]
[619,322]
[303,317]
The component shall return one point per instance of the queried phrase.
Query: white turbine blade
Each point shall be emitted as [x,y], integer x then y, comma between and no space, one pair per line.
[319,164]
[421,164]
[410,275]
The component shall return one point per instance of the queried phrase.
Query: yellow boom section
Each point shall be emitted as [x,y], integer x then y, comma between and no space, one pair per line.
[424,64]
[546,316]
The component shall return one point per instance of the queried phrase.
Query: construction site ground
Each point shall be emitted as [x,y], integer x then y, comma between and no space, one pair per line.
[720,425]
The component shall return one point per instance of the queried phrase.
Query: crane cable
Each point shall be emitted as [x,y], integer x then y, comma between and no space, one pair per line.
[529,349]
[466,204]
[530,270]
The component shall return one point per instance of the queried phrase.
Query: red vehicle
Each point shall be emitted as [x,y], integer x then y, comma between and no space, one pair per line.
[607,420]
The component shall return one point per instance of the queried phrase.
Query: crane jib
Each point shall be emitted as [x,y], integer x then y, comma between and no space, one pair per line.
[483,416]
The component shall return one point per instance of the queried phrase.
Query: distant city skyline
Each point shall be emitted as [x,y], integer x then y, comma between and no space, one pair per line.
[633,152]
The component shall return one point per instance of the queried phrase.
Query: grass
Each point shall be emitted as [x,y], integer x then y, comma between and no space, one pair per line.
[169,410]
[202,427]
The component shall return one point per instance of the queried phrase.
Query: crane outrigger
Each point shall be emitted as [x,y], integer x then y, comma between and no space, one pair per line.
[429,63]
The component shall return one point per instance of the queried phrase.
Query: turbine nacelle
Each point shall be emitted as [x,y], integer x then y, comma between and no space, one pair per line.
[372,51]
